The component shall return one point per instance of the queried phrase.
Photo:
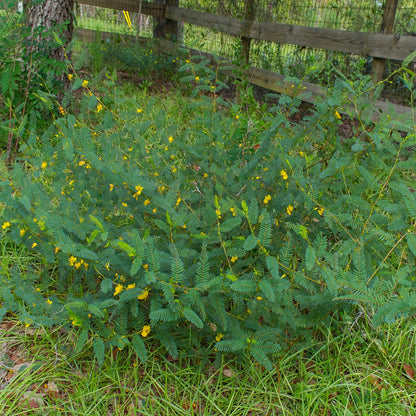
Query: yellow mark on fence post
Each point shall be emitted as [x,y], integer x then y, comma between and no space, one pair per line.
[127,16]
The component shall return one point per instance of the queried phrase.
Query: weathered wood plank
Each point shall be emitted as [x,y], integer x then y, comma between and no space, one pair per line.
[307,91]
[373,44]
[133,6]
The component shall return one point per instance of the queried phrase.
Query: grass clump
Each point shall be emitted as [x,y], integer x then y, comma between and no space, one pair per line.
[360,370]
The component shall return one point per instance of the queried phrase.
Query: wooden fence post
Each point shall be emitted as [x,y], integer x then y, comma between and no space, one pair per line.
[165,28]
[172,26]
[387,25]
[159,23]
[249,14]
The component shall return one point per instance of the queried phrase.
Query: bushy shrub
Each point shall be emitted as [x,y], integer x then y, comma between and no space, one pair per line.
[221,228]
[28,78]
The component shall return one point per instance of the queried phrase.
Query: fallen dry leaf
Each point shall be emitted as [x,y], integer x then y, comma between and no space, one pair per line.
[51,389]
[409,371]
[376,382]
[34,400]
[228,373]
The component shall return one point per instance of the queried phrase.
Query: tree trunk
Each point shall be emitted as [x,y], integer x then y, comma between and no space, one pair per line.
[42,16]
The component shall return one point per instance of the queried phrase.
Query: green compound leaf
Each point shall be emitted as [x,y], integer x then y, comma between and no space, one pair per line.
[230,224]
[82,339]
[310,256]
[99,350]
[267,290]
[273,267]
[135,267]
[139,347]
[106,285]
[191,316]
[250,243]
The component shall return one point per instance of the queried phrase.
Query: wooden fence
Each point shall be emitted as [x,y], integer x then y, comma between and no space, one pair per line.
[381,46]
[378,45]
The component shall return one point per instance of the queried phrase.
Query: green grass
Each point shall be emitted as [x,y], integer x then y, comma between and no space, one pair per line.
[361,371]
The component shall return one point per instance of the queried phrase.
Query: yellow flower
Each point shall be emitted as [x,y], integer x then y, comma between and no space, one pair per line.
[321,211]
[49,301]
[283,174]
[22,232]
[276,221]
[232,209]
[196,79]
[70,76]
[178,201]
[124,204]
[154,210]
[259,298]
[111,187]
[205,175]
[81,163]
[338,115]
[72,260]
[143,295]
[118,289]
[85,83]
[99,107]
[139,190]
[170,139]
[218,212]
[43,165]
[218,337]
[77,265]
[146,202]
[139,110]
[132,286]
[56,249]
[237,117]
[289,209]
[5,225]
[145,331]
[34,245]
[107,266]
[146,267]
[267,199]
[234,259]
[61,110]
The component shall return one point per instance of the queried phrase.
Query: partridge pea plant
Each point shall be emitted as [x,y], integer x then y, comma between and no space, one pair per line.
[208,225]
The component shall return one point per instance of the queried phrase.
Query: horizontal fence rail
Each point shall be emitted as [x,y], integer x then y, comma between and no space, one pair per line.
[361,43]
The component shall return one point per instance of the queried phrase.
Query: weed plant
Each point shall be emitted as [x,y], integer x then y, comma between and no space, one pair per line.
[210,226]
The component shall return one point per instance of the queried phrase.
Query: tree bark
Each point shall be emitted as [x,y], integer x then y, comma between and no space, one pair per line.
[44,15]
